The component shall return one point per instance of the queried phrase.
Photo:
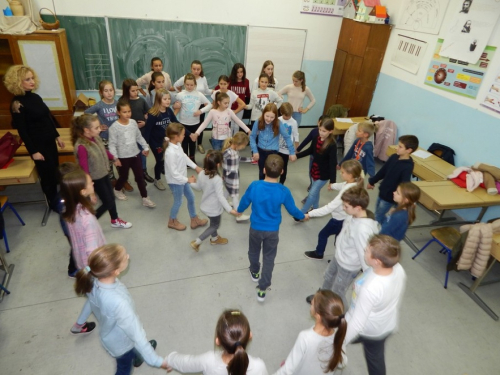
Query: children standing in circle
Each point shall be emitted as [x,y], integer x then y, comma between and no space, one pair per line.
[157,83]
[318,350]
[268,70]
[236,104]
[120,330]
[176,162]
[293,130]
[213,201]
[239,84]
[221,117]
[232,335]
[324,167]
[350,171]
[231,167]
[94,159]
[123,139]
[156,66]
[202,87]
[139,107]
[261,97]
[296,94]
[397,221]
[189,114]
[268,128]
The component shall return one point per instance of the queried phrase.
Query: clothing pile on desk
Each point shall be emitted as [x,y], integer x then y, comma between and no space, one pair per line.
[479,175]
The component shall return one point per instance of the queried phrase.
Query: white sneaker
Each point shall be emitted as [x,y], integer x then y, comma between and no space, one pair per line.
[119,223]
[242,218]
[119,195]
[148,202]
[159,185]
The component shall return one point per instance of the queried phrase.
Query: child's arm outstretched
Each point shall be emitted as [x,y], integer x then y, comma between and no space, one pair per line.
[204,124]
[219,191]
[306,140]
[240,123]
[364,305]
[334,205]
[190,363]
[290,206]
[370,161]
[294,357]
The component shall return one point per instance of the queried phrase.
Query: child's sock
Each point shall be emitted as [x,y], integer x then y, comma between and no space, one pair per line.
[198,241]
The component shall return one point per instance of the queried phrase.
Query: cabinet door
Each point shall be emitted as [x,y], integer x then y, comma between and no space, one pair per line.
[354,37]
[349,81]
[335,79]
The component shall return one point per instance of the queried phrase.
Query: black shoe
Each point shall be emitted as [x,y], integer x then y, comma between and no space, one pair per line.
[309,298]
[138,358]
[147,177]
[297,220]
[329,260]
[85,329]
[313,255]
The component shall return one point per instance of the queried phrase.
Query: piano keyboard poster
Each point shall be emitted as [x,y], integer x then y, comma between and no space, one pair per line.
[458,77]
[408,53]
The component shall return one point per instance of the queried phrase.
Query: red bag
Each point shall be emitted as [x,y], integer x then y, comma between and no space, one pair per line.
[9,144]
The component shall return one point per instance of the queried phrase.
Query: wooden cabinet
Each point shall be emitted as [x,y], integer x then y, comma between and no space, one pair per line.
[47,53]
[358,59]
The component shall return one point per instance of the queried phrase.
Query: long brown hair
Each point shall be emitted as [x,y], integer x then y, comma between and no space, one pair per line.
[103,262]
[411,194]
[198,62]
[330,308]
[298,74]
[153,79]
[78,126]
[330,140]
[264,66]
[233,333]
[126,86]
[155,109]
[71,186]
[233,77]
[354,168]
[211,163]
[270,107]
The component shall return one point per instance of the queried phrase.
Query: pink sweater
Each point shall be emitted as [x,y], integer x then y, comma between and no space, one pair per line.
[221,123]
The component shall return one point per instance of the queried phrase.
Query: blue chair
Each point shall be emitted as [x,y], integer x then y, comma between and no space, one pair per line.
[447,237]
[4,203]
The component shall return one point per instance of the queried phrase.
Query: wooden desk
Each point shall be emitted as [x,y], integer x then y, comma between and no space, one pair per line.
[341,127]
[471,291]
[65,154]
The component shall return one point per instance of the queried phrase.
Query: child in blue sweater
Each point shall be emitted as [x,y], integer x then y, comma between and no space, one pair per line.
[362,148]
[266,198]
[397,221]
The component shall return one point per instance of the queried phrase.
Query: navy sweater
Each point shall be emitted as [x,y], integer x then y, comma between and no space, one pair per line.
[365,157]
[393,172]
[396,224]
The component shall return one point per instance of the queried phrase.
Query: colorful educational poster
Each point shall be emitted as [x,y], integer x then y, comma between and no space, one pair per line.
[323,7]
[492,98]
[458,77]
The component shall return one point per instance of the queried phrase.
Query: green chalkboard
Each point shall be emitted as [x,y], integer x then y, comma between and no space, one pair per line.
[134,42]
[88,48]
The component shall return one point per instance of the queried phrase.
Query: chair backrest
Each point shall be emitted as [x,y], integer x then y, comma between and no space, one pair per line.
[3,200]
[386,136]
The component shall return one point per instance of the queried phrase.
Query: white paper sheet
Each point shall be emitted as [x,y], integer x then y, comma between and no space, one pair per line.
[422,154]
[338,119]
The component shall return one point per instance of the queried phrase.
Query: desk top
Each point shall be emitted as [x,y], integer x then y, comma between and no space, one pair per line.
[65,134]
[21,171]
[341,127]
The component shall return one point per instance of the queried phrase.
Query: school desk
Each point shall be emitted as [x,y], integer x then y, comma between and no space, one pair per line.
[471,291]
[340,127]
[65,154]
[22,171]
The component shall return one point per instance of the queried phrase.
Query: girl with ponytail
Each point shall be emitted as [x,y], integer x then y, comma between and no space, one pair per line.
[318,350]
[232,335]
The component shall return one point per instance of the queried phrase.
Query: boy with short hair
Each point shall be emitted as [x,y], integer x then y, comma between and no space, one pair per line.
[266,197]
[292,129]
[362,148]
[397,169]
[350,244]
[376,300]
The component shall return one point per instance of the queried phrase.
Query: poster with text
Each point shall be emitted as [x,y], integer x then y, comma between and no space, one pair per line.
[492,98]
[323,7]
[458,77]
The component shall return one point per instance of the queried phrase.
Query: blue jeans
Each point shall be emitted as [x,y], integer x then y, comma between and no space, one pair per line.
[178,191]
[124,363]
[338,279]
[333,227]
[297,116]
[268,243]
[313,197]
[217,143]
[381,209]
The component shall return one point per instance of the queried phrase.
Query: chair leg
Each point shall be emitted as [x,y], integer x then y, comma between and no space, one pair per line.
[448,252]
[422,249]
[7,250]
[15,213]
[4,289]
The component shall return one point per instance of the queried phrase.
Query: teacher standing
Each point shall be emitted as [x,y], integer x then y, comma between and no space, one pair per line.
[36,126]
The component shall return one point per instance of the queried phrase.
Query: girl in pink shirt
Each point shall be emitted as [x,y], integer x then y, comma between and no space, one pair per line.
[221,116]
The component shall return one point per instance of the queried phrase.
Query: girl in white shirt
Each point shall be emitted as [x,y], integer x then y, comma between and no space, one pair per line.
[318,350]
[221,117]
[232,335]
[296,94]
[267,69]
[189,114]
[156,66]
[261,97]
[175,173]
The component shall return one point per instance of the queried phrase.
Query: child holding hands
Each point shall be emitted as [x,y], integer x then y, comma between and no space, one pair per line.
[362,148]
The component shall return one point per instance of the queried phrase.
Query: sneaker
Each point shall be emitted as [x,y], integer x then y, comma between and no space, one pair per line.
[201,149]
[85,330]
[148,202]
[195,246]
[159,185]
[309,298]
[261,295]
[254,162]
[138,358]
[255,276]
[147,177]
[313,255]
[119,223]
[128,187]
[297,220]
[219,241]
[120,195]
[242,218]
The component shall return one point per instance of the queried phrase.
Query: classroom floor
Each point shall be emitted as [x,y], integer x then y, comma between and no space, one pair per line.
[179,294]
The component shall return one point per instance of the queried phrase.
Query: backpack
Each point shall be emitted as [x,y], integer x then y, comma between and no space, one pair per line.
[444,152]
